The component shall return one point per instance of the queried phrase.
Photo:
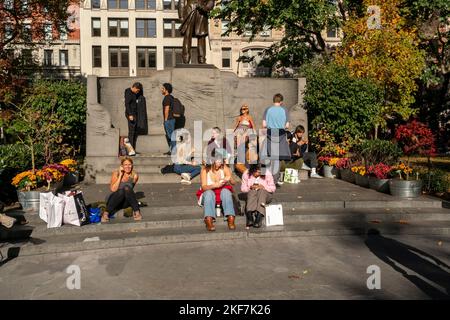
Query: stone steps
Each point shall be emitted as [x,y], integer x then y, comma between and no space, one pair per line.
[142,237]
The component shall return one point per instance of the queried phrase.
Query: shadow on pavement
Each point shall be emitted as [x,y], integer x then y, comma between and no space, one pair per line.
[402,257]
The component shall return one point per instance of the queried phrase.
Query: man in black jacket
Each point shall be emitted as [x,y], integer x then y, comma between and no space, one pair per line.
[131,97]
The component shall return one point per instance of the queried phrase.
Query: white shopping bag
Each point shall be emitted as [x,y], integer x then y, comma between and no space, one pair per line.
[291,176]
[274,215]
[55,215]
[75,212]
[45,203]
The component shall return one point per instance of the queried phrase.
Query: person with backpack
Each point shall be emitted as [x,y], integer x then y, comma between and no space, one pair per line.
[169,120]
[173,114]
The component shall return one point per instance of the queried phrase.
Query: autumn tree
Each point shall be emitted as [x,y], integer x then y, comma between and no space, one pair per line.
[381,46]
[22,26]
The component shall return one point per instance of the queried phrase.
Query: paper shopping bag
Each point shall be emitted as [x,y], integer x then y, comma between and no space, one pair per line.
[55,215]
[274,215]
[45,203]
[291,176]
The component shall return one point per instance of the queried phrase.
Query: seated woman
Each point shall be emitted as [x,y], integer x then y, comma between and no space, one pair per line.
[216,181]
[123,196]
[183,164]
[259,189]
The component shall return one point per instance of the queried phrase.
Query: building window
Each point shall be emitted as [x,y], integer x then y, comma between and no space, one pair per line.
[172,57]
[117,4]
[118,27]
[145,28]
[95,4]
[119,61]
[97,56]
[9,4]
[48,57]
[27,32]
[331,32]
[170,5]
[48,35]
[63,58]
[146,4]
[226,57]
[27,57]
[224,26]
[266,32]
[172,28]
[8,31]
[96,27]
[146,60]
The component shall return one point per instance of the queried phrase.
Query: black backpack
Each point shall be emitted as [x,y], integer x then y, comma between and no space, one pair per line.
[177,108]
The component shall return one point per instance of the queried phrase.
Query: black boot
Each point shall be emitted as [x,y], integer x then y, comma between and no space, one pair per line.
[249,215]
[258,222]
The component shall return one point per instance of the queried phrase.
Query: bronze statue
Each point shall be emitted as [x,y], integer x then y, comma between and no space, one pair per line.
[193,15]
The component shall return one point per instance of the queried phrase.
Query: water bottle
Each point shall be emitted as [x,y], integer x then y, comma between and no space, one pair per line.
[218,210]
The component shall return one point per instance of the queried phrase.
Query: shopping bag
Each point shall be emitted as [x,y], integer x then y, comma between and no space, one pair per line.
[95,215]
[291,176]
[274,215]
[45,203]
[55,214]
[129,147]
[75,212]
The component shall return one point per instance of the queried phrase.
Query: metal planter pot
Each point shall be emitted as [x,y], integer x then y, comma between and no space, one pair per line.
[362,181]
[330,171]
[348,175]
[380,185]
[29,200]
[405,189]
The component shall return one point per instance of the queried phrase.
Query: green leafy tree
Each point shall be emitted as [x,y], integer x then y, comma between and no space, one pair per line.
[343,104]
[303,22]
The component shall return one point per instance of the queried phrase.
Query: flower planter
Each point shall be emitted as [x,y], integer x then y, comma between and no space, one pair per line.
[29,200]
[348,175]
[71,178]
[329,171]
[362,181]
[405,188]
[380,185]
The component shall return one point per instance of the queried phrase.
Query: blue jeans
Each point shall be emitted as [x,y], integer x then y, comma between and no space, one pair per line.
[169,127]
[187,168]
[209,203]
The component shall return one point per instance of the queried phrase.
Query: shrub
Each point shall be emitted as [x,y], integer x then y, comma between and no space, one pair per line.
[16,157]
[436,181]
[340,102]
[378,151]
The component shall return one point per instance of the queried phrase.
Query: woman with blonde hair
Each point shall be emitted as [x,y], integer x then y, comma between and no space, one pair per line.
[122,193]
[244,125]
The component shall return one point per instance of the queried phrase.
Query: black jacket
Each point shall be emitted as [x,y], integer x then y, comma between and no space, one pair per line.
[130,103]
[142,119]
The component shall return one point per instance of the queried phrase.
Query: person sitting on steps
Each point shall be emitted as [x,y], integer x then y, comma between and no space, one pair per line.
[123,196]
[259,188]
[216,188]
[183,164]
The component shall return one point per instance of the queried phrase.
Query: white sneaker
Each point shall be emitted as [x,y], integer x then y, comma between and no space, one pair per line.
[305,167]
[187,182]
[186,176]
[316,175]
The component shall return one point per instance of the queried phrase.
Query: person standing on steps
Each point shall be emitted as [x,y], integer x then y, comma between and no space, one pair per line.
[131,111]
[169,120]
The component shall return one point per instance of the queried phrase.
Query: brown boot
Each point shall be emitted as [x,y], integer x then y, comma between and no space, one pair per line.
[231,224]
[210,224]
